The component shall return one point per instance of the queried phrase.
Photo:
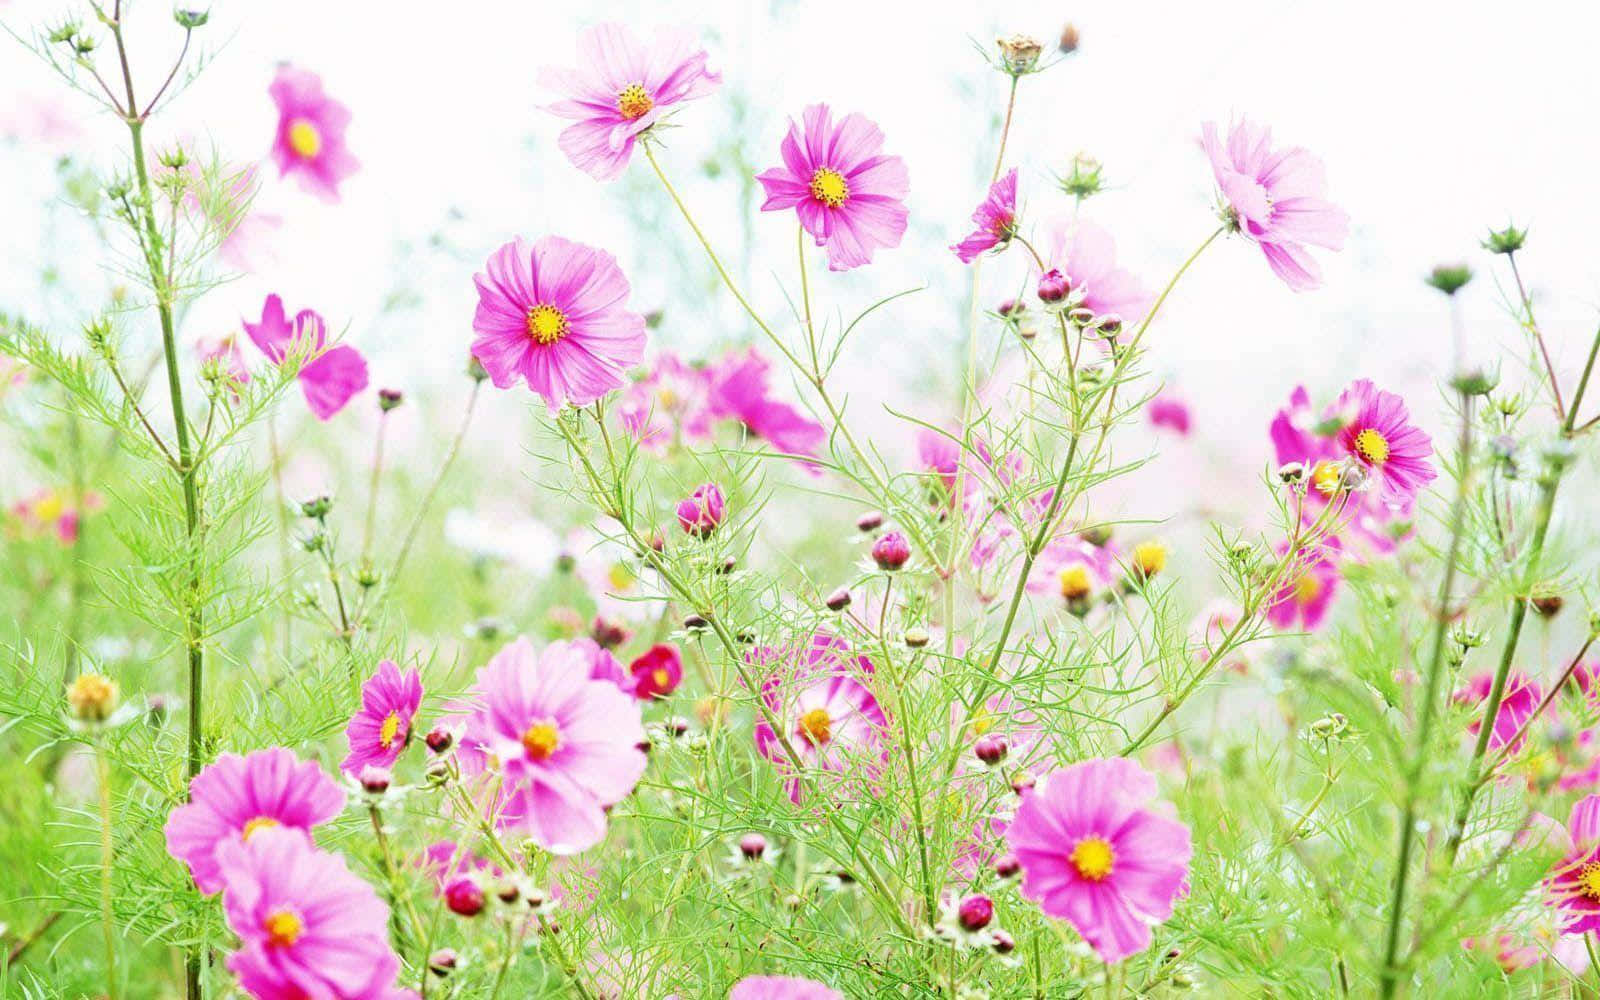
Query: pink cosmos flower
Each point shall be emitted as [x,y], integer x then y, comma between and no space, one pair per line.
[829,716]
[552,313]
[236,797]
[849,196]
[738,390]
[996,219]
[1574,884]
[445,862]
[310,141]
[567,745]
[669,405]
[657,671]
[620,89]
[1517,703]
[307,925]
[330,376]
[1381,437]
[382,727]
[1168,410]
[1276,198]
[1303,602]
[1074,570]
[1095,855]
[782,988]
[598,662]
[1087,256]
[53,511]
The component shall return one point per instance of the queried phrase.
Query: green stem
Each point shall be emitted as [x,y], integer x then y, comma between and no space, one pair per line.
[108,926]
[433,489]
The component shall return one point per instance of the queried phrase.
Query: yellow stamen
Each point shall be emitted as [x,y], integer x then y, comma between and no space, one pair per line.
[389,730]
[305,139]
[660,676]
[1149,558]
[817,726]
[283,928]
[634,102]
[1308,588]
[259,823]
[829,187]
[546,324]
[541,740]
[1075,582]
[49,508]
[1094,858]
[1372,446]
[1325,476]
[1589,880]
[92,697]
[982,721]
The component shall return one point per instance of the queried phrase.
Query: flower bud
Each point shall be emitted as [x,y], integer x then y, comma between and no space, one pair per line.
[609,633]
[1068,43]
[1007,866]
[92,697]
[440,739]
[1080,317]
[1019,53]
[838,600]
[1108,325]
[991,749]
[1291,473]
[442,962]
[1508,240]
[189,18]
[375,780]
[388,399]
[1449,278]
[702,512]
[1053,287]
[464,897]
[976,912]
[1546,600]
[1476,382]
[891,551]
[872,520]
[475,370]
[915,638]
[752,846]
[316,507]
[1022,781]
[1084,179]
[695,622]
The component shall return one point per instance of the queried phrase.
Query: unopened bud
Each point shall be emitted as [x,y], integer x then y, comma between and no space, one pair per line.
[388,399]
[872,520]
[753,846]
[915,638]
[92,697]
[838,600]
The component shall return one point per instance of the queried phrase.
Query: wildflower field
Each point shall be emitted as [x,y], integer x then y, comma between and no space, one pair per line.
[813,590]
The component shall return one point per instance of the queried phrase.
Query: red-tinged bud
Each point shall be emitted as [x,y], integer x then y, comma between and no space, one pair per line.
[1054,287]
[976,912]
[464,897]
[991,749]
[891,551]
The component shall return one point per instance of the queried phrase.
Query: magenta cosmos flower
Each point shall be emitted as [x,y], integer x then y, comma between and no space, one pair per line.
[996,219]
[552,313]
[782,988]
[1303,602]
[330,376]
[1276,198]
[849,196]
[825,710]
[310,140]
[382,727]
[307,926]
[1167,409]
[1087,256]
[657,671]
[567,745]
[1094,854]
[620,89]
[236,797]
[738,390]
[703,511]
[1574,883]
[1518,702]
[1381,437]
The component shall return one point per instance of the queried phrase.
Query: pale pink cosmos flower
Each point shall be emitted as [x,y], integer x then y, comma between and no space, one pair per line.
[996,219]
[1382,438]
[1074,570]
[1095,854]
[1518,701]
[566,745]
[669,405]
[738,389]
[849,196]
[1303,602]
[1574,884]
[380,730]
[1276,198]
[782,988]
[601,663]
[310,139]
[236,797]
[828,715]
[1168,410]
[330,376]
[307,925]
[553,313]
[1087,256]
[940,454]
[620,89]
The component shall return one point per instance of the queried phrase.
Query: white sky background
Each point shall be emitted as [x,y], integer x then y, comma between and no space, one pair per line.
[1435,119]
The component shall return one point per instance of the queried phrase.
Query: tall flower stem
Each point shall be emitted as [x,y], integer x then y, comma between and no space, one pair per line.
[433,488]
[372,490]
[1430,695]
[108,858]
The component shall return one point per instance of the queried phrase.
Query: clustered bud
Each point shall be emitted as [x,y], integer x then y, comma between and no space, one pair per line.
[976,912]
[701,512]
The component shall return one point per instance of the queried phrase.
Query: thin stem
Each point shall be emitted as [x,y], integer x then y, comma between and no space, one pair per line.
[1005,129]
[108,925]
[1538,337]
[433,489]
[397,886]
[372,490]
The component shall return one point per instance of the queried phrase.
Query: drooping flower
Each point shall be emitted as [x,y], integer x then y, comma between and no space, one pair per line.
[553,313]
[657,671]
[621,88]
[1087,256]
[236,797]
[1168,410]
[566,745]
[310,141]
[1277,199]
[848,195]
[1094,853]
[1382,438]
[702,512]
[1303,601]
[307,925]
[995,217]
[1574,883]
[825,711]
[381,728]
[330,376]
[782,988]
[1518,701]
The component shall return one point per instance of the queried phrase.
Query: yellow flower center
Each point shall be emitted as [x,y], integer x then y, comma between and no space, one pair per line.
[541,740]
[1308,588]
[92,697]
[1372,446]
[829,187]
[661,677]
[1094,858]
[982,721]
[546,324]
[620,577]
[817,726]
[49,507]
[1325,476]
[634,102]
[1075,582]
[1149,558]
[304,139]
[283,928]
[1589,880]
[259,823]
[389,730]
